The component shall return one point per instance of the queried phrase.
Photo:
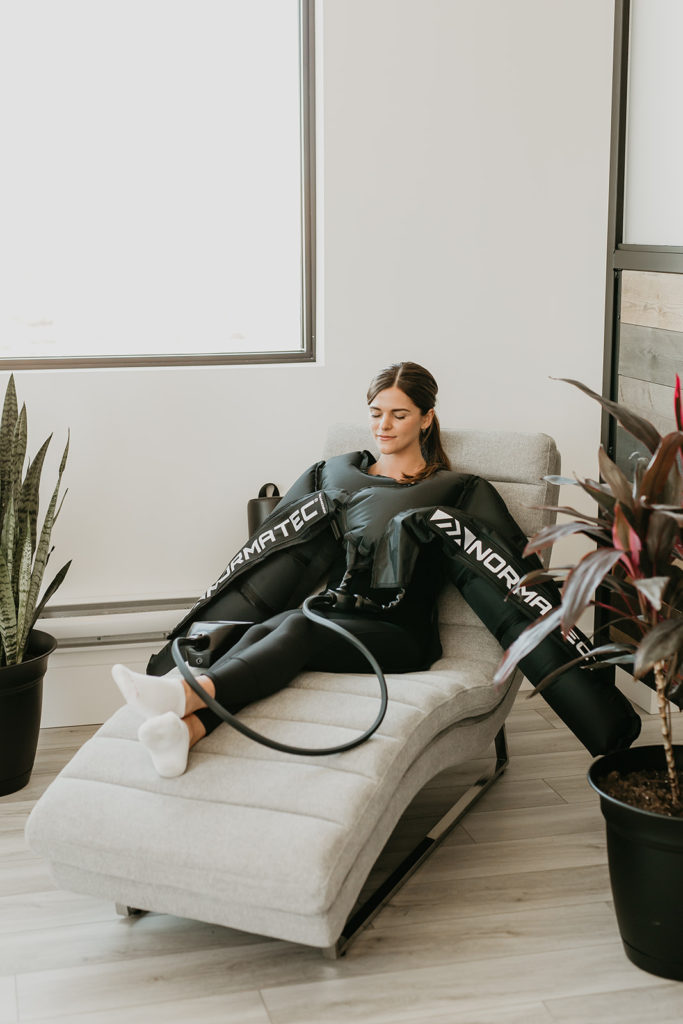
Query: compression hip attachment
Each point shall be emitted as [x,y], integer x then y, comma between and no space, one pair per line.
[327,600]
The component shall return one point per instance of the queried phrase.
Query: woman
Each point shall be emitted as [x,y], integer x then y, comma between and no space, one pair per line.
[403,638]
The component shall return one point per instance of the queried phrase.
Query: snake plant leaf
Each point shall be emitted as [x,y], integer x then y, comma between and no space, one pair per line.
[29,498]
[664,641]
[7,534]
[41,559]
[549,534]
[60,506]
[638,427]
[8,614]
[49,591]
[615,479]
[526,642]
[582,582]
[65,453]
[19,441]
[23,585]
[7,425]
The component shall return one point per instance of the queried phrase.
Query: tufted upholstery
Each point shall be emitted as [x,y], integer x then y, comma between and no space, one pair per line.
[272,843]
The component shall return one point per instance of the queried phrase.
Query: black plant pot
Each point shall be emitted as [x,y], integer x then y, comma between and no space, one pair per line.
[645,855]
[21,701]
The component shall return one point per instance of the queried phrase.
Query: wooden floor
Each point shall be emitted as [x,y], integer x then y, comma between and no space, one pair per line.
[510,922]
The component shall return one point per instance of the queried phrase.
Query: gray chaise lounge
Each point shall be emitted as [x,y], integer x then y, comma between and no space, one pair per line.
[282,845]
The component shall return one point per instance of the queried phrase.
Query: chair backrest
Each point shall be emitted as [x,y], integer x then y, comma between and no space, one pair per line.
[515,463]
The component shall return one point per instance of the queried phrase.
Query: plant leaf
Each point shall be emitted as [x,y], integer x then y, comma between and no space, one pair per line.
[638,427]
[652,588]
[8,615]
[49,591]
[615,479]
[526,642]
[660,540]
[561,481]
[626,539]
[19,451]
[664,641]
[593,660]
[29,497]
[7,535]
[600,493]
[656,476]
[567,510]
[40,561]
[677,403]
[7,427]
[549,534]
[542,576]
[582,583]
[23,584]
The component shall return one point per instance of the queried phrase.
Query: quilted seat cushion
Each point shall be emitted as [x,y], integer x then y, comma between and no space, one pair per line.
[248,824]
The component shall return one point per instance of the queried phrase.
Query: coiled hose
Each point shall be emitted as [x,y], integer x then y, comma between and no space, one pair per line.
[321,600]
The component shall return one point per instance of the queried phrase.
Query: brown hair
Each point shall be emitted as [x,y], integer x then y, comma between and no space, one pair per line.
[421,388]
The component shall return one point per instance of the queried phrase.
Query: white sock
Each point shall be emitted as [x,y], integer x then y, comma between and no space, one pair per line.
[168,740]
[151,695]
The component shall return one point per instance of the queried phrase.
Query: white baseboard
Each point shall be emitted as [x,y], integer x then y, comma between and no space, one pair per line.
[78,688]
[640,694]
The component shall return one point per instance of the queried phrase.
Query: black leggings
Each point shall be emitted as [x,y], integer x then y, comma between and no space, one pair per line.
[272,653]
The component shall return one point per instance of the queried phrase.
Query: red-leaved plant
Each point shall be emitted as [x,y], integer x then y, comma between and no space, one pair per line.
[638,565]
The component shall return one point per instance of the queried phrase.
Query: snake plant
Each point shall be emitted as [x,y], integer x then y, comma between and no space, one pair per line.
[24,547]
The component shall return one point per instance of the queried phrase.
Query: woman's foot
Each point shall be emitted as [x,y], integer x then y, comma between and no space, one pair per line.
[152,695]
[167,738]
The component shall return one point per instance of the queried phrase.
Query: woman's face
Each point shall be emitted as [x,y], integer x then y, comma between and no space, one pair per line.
[396,421]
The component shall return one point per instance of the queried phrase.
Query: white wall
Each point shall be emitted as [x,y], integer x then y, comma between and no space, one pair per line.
[463,199]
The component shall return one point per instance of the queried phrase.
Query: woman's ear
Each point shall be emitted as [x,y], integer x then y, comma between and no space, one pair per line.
[427,420]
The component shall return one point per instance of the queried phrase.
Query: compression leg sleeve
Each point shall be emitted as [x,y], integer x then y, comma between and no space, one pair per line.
[586,699]
[484,561]
[281,582]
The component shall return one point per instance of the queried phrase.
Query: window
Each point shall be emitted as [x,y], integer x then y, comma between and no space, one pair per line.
[643,322]
[157,187]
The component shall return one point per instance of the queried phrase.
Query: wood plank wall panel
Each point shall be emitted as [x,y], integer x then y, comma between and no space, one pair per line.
[653,401]
[652,300]
[650,352]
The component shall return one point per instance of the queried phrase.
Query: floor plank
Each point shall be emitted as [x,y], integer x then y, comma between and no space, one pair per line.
[663,1004]
[436,993]
[510,921]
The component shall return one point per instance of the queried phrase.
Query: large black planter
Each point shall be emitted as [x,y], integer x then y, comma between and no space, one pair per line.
[645,854]
[21,701]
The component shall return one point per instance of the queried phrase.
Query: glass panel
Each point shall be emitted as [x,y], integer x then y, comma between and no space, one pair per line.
[653,200]
[151,193]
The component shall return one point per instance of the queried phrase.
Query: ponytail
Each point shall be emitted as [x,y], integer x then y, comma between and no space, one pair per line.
[432,451]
